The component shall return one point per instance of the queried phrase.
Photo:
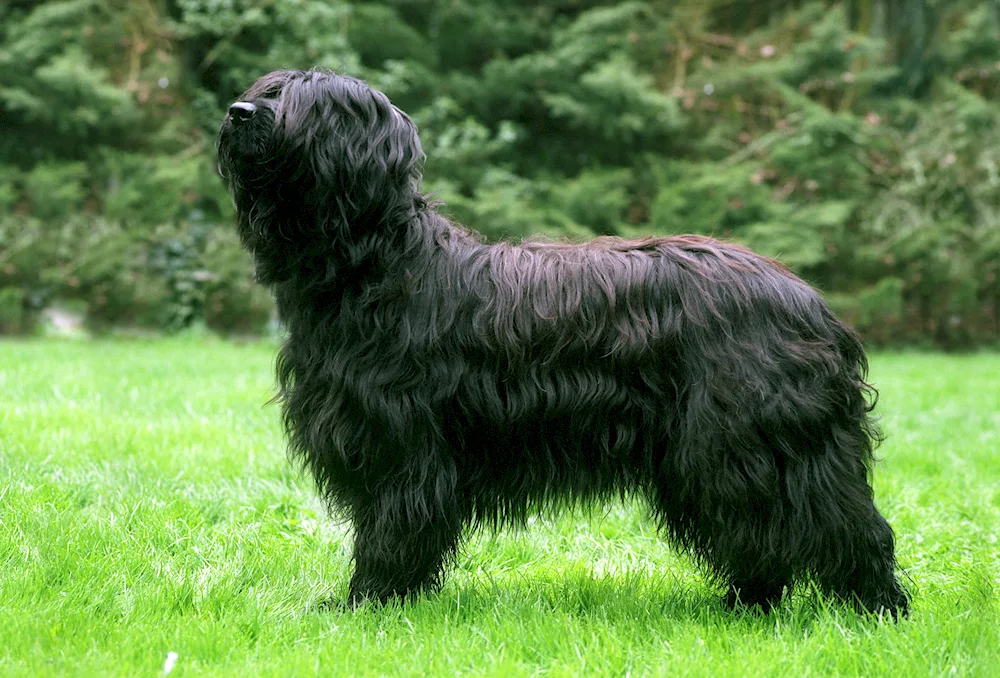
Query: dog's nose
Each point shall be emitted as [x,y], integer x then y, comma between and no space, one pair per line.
[241,111]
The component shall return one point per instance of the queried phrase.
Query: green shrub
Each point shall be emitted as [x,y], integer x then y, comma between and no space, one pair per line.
[169,278]
[12,315]
[56,190]
[880,311]
[234,303]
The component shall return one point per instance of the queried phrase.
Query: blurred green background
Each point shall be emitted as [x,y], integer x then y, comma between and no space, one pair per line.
[857,141]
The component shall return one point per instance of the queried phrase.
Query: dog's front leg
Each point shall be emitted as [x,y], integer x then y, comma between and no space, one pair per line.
[405,533]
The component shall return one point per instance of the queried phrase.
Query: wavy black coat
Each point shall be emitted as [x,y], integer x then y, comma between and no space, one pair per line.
[431,382]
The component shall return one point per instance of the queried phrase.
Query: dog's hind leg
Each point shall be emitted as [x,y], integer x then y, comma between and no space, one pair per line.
[823,519]
[756,581]
[865,572]
[404,536]
[846,543]
[773,489]
[724,506]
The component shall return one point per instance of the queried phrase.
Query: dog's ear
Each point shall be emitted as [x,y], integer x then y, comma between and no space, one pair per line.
[388,155]
[362,153]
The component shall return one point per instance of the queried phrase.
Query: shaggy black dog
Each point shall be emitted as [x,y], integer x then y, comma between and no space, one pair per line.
[432,382]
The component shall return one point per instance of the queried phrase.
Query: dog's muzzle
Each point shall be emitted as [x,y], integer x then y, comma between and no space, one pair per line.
[241,111]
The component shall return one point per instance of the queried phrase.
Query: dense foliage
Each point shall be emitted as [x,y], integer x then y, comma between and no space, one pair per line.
[858,141]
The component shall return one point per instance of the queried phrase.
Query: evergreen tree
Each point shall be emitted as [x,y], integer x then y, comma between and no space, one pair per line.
[855,140]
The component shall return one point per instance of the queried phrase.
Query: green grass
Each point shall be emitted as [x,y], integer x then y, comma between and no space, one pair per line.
[146,507]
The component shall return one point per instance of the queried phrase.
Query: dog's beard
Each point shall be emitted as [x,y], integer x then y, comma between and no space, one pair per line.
[273,256]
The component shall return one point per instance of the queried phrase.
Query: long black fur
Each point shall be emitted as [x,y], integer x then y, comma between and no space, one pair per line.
[432,382]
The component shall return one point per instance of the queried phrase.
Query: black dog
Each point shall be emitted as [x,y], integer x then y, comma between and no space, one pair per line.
[431,381]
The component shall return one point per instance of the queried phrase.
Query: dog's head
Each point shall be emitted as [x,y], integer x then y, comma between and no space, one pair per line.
[315,160]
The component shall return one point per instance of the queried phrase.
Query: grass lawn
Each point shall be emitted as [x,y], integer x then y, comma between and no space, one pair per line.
[146,507]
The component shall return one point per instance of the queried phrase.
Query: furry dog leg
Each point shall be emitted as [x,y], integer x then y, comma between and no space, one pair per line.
[402,542]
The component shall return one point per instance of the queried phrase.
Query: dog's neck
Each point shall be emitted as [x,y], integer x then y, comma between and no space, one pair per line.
[319,281]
